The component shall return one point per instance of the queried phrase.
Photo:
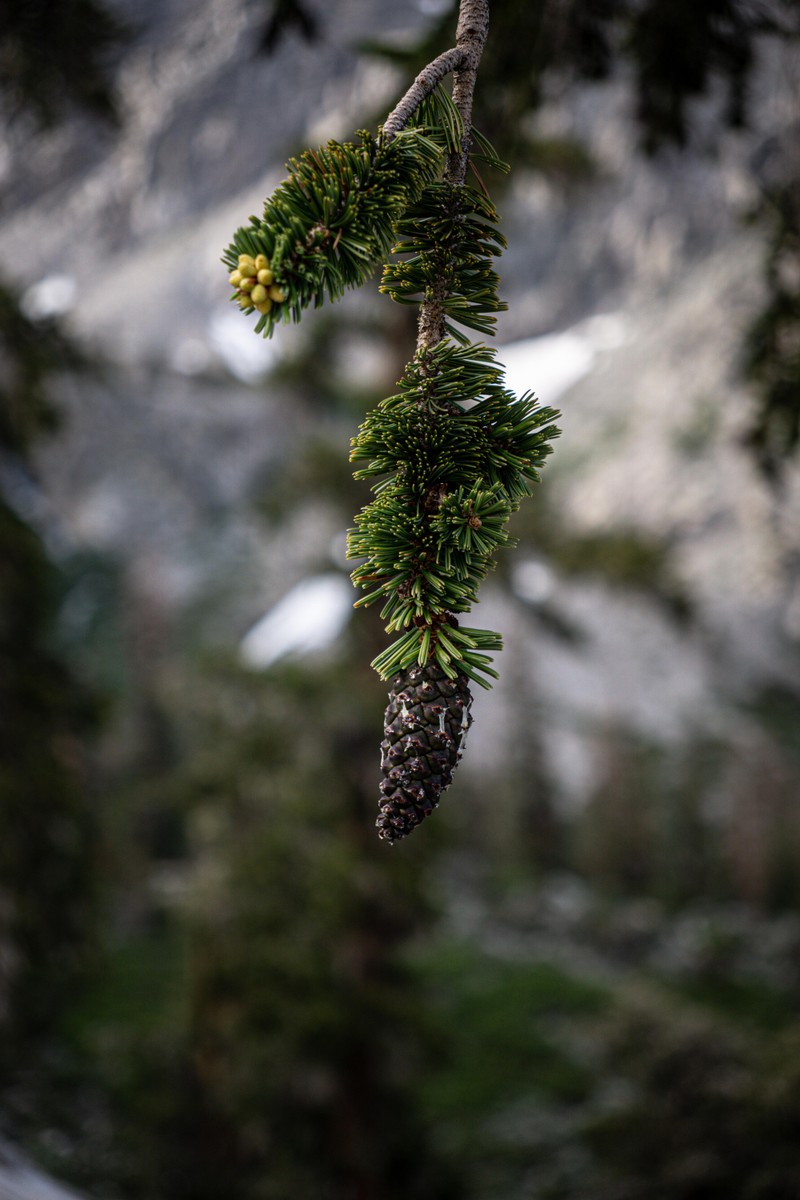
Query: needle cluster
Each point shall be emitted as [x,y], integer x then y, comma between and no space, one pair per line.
[455,451]
[331,223]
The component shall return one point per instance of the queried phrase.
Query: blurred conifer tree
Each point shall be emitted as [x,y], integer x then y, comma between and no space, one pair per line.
[303,1034]
[53,54]
[46,871]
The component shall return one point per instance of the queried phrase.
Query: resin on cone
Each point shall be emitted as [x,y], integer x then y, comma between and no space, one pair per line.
[425,728]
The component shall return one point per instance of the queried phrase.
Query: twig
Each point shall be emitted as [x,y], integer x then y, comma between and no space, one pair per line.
[473,26]
[427,80]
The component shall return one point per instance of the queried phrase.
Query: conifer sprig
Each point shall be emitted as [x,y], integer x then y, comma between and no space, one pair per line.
[331,222]
[449,237]
[458,452]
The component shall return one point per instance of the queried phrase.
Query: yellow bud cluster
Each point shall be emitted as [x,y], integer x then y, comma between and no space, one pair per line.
[255,283]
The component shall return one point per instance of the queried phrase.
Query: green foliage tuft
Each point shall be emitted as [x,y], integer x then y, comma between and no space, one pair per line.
[460,452]
[450,239]
[330,224]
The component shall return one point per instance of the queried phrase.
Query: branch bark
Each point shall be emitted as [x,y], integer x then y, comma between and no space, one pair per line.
[473,26]
[428,79]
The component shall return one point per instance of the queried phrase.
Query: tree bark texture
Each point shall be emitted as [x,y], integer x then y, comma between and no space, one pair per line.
[471,32]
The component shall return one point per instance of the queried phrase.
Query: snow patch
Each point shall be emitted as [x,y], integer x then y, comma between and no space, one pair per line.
[50,297]
[308,618]
[551,364]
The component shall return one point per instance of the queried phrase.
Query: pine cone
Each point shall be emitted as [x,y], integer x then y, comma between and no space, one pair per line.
[425,729]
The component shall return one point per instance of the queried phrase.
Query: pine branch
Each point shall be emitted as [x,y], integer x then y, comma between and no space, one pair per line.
[458,451]
[453,452]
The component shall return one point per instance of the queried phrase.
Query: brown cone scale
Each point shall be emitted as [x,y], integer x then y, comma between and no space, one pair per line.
[426,722]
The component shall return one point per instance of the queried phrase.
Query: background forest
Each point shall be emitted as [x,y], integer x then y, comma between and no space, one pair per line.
[581,977]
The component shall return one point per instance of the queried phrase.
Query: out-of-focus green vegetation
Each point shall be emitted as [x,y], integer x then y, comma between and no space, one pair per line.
[256,1026]
[47,846]
[58,52]
[772,354]
[48,843]
[503,1020]
[286,1010]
